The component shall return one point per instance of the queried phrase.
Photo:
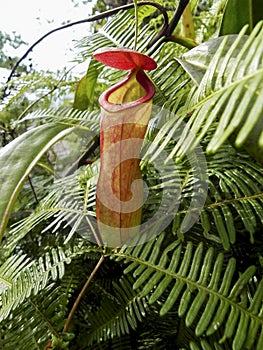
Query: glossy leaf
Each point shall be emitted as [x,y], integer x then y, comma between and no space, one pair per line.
[239,13]
[84,94]
[230,93]
[196,61]
[18,158]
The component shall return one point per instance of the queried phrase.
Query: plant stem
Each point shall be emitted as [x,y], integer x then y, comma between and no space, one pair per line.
[46,320]
[33,189]
[167,29]
[177,15]
[82,292]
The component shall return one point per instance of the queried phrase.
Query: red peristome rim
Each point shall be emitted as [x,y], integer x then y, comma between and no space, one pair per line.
[124,59]
[142,79]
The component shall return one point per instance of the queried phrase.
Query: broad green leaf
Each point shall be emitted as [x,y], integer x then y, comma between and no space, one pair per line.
[84,95]
[239,13]
[196,61]
[18,158]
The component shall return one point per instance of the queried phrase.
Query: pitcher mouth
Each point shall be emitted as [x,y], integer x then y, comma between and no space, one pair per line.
[109,99]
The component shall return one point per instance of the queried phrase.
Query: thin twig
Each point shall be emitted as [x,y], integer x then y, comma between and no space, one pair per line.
[32,189]
[83,158]
[82,292]
[167,28]
[96,234]
[46,320]
[177,15]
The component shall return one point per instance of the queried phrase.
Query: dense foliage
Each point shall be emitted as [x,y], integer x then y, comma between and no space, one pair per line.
[193,280]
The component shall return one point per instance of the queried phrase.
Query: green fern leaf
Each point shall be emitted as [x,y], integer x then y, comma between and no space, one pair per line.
[229,92]
[69,205]
[237,189]
[209,294]
[119,313]
[41,319]
[32,278]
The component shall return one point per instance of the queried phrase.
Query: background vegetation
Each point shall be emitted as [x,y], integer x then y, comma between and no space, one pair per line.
[197,288]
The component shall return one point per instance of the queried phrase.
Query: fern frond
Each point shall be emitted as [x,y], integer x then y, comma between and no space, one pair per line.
[209,294]
[86,119]
[120,312]
[239,193]
[41,319]
[10,269]
[234,191]
[34,277]
[35,83]
[117,343]
[170,80]
[119,31]
[228,94]
[70,204]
